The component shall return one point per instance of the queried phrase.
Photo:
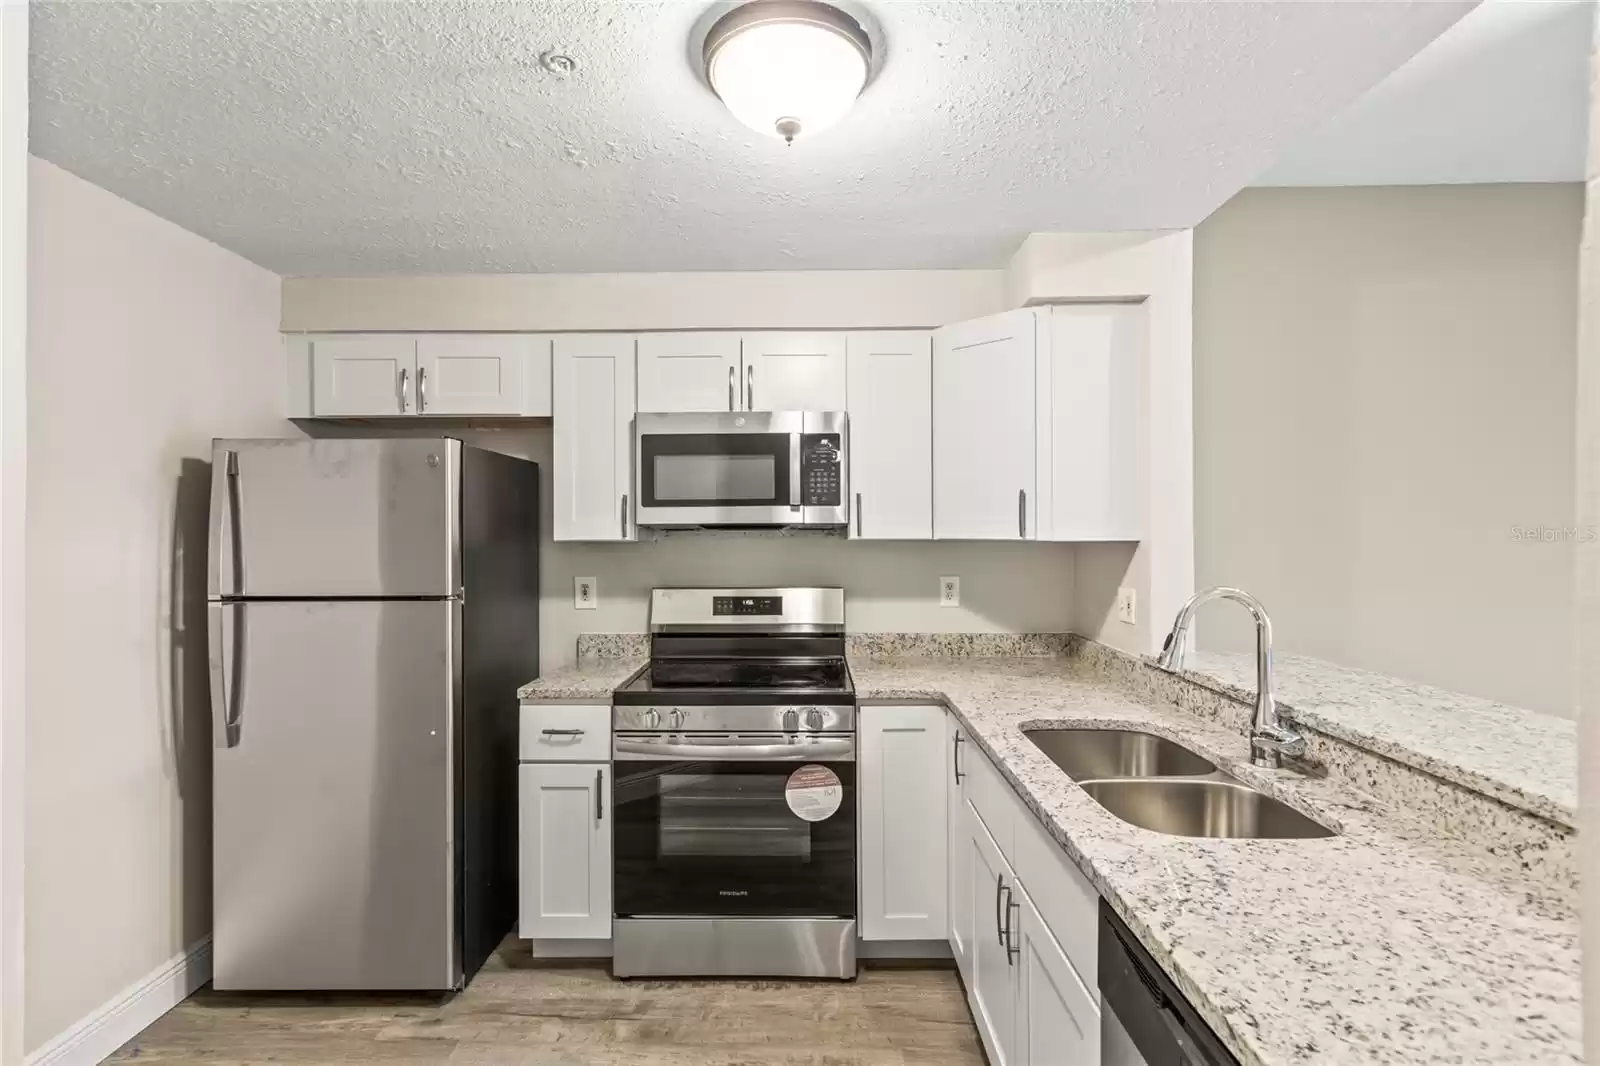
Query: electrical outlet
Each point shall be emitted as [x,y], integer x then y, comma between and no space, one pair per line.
[585,593]
[1127,610]
[949,592]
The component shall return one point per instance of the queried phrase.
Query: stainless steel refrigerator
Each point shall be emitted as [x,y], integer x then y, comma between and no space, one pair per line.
[374,605]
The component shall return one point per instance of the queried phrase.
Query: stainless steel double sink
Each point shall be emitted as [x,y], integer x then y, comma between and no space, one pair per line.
[1160,785]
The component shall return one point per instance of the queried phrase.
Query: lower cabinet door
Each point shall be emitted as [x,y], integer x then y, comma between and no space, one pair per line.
[959,875]
[991,990]
[903,833]
[564,830]
[1058,1019]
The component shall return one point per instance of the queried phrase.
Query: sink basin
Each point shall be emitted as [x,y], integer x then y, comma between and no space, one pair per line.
[1202,809]
[1086,754]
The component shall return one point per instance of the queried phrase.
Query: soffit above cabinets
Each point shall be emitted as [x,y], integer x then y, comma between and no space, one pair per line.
[427,138]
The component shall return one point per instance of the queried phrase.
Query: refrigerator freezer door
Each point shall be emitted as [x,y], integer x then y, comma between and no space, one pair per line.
[335,518]
[333,853]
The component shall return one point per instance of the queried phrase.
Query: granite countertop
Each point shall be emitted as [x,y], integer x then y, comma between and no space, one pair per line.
[1386,944]
[1520,757]
[590,680]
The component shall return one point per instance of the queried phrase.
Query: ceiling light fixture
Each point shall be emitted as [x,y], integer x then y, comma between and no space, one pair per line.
[786,67]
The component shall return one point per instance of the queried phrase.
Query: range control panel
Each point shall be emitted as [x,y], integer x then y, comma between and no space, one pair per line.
[820,470]
[747,605]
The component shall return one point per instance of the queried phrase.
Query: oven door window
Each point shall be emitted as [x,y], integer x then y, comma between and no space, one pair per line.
[714,469]
[719,838]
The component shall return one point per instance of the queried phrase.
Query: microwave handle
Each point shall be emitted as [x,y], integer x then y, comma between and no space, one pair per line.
[794,471]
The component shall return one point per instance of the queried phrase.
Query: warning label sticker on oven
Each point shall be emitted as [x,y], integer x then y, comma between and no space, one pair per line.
[814,792]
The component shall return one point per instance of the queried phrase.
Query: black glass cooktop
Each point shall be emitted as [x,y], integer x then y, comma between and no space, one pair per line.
[736,680]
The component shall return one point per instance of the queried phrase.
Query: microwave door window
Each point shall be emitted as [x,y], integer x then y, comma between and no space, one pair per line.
[720,478]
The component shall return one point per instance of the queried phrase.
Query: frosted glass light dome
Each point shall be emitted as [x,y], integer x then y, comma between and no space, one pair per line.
[787,67]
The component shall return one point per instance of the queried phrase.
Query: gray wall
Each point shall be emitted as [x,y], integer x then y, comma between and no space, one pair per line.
[1384,390]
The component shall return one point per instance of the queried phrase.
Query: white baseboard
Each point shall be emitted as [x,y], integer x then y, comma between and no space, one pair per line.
[93,1038]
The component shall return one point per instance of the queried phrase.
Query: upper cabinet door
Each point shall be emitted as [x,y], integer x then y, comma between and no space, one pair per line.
[891,435]
[794,372]
[689,372]
[373,375]
[984,442]
[593,417]
[1090,490]
[473,374]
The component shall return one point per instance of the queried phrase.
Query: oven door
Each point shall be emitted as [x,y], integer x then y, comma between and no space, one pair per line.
[719,469]
[734,826]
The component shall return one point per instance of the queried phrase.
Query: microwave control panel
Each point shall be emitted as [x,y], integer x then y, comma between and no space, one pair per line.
[821,471]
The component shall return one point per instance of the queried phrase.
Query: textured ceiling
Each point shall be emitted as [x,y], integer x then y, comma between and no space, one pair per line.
[425,138]
[1501,96]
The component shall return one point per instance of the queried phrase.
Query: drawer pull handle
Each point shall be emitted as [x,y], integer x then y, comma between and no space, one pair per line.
[562,732]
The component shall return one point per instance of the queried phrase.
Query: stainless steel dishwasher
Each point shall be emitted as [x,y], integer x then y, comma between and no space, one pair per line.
[1144,1019]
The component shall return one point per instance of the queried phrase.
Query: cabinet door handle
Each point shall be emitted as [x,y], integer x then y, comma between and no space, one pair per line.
[730,388]
[1022,512]
[750,387]
[999,887]
[1012,951]
[562,732]
[955,758]
[858,514]
[405,390]
[622,515]
[599,795]
[422,389]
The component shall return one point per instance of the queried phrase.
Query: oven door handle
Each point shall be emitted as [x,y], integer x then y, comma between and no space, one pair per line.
[837,749]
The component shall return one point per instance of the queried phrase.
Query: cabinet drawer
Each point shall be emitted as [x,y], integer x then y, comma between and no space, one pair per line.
[991,797]
[1066,901]
[565,732]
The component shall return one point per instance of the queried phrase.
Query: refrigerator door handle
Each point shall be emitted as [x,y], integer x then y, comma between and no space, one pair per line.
[235,540]
[226,638]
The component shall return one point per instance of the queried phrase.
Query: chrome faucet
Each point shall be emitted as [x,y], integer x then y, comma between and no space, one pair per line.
[1269,738]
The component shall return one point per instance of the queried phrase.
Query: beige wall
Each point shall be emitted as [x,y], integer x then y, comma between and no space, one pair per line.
[890,586]
[144,342]
[1384,386]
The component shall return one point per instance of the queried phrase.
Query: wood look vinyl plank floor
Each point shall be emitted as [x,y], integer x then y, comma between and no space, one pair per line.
[522,1012]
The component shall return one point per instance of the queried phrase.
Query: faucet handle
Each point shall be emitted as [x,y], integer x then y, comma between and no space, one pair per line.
[1279,739]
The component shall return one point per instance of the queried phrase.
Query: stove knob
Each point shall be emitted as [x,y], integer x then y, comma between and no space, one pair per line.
[791,721]
[652,718]
[677,717]
[813,719]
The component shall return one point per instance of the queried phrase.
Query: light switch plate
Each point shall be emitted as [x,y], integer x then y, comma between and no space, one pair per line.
[585,593]
[1127,606]
[949,592]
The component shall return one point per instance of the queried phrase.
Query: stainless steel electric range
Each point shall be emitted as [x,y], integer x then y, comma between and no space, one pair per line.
[734,793]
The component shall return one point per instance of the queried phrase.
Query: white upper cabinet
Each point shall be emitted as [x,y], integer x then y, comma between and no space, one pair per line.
[593,400]
[1095,373]
[985,406]
[794,372]
[476,374]
[363,375]
[690,372]
[890,379]
[902,774]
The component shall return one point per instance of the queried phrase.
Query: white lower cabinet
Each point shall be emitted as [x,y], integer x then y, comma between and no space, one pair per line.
[1029,996]
[564,824]
[1058,1020]
[902,773]
[991,991]
[958,879]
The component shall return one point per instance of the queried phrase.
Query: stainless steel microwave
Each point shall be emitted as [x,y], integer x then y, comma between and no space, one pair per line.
[742,469]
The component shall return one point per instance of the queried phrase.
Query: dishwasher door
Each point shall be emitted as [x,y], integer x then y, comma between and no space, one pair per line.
[1144,1019]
